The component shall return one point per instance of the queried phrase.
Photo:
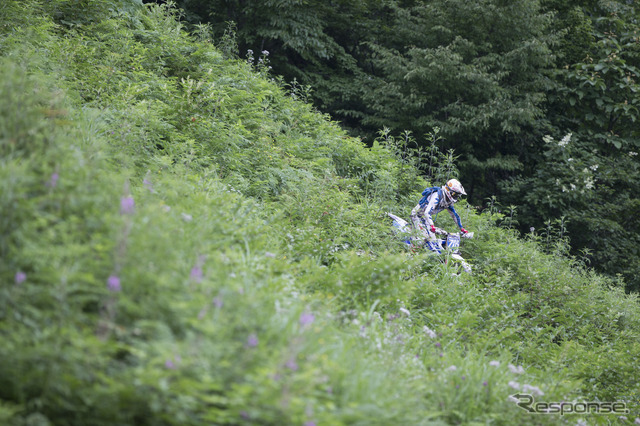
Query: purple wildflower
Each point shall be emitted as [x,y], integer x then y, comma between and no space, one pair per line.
[113,283]
[485,383]
[291,364]
[170,364]
[53,180]
[310,423]
[127,205]
[438,345]
[217,302]
[147,184]
[20,277]
[269,254]
[202,313]
[306,318]
[252,340]
[196,274]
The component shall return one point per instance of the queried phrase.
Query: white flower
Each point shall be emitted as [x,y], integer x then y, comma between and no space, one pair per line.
[429,332]
[589,183]
[516,370]
[514,385]
[405,311]
[565,141]
[633,154]
[533,389]
[547,139]
[496,363]
[594,167]
[452,368]
[637,422]
[573,187]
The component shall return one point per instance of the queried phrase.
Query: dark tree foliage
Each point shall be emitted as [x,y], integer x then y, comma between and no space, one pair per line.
[592,179]
[477,71]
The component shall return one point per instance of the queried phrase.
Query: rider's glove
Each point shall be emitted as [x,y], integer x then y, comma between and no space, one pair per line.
[433,229]
[464,231]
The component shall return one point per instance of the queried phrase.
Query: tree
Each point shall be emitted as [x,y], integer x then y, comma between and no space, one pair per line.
[477,71]
[593,181]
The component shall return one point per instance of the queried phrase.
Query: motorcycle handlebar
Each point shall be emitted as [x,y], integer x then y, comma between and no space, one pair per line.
[440,231]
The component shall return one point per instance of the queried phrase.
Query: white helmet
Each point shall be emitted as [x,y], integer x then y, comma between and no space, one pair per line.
[453,190]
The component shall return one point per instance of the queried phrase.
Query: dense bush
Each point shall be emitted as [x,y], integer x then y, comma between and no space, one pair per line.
[184,242]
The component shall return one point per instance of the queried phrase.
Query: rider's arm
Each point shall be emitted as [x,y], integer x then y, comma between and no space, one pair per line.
[455,216]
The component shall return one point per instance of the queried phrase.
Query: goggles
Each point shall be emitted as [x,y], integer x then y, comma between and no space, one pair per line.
[455,195]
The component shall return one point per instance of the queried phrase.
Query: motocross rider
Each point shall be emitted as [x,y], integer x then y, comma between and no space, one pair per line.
[439,200]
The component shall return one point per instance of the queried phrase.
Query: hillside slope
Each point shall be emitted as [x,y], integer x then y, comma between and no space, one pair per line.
[185,242]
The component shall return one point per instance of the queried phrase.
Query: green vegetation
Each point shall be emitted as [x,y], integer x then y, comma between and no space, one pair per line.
[496,77]
[184,241]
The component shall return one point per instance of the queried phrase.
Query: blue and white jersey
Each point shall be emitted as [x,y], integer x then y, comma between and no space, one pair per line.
[434,206]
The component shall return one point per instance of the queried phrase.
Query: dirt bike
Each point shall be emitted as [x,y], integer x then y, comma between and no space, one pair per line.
[450,244]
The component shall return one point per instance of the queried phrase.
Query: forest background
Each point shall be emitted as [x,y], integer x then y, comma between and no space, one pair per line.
[538,100]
